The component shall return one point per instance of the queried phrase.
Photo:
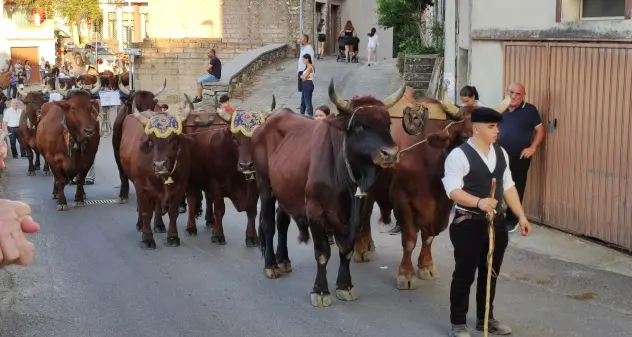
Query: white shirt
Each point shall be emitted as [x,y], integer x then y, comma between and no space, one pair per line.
[457,166]
[373,41]
[308,49]
[12,117]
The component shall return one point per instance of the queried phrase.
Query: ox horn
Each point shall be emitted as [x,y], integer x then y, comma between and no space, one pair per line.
[139,116]
[504,104]
[59,89]
[394,97]
[21,92]
[97,86]
[161,89]
[449,107]
[188,107]
[333,96]
[273,106]
[122,88]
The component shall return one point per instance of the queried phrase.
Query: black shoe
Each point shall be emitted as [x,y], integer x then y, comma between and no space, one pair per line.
[494,327]
[197,100]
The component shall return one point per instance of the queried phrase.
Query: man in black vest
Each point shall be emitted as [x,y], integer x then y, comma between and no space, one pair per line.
[469,170]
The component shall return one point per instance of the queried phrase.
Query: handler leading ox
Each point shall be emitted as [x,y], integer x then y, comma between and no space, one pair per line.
[155,155]
[68,137]
[319,171]
[226,170]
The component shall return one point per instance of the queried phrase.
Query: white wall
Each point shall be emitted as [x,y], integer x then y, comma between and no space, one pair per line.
[43,37]
[486,72]
[362,14]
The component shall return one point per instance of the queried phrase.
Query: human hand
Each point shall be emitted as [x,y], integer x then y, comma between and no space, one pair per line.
[15,220]
[525,226]
[487,204]
[528,152]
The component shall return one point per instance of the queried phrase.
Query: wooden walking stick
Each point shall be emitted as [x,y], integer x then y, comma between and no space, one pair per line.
[490,254]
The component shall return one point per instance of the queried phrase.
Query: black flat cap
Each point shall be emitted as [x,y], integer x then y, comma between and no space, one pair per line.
[486,115]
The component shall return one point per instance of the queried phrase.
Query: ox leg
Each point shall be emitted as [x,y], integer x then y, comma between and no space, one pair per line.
[344,288]
[320,296]
[60,182]
[38,165]
[172,239]
[252,240]
[159,224]
[433,222]
[46,168]
[406,278]
[209,215]
[29,155]
[146,207]
[267,228]
[218,228]
[282,257]
[427,270]
[55,193]
[194,200]
[362,250]
[80,191]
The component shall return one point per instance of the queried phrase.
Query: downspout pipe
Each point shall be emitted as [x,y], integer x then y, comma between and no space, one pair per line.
[300,16]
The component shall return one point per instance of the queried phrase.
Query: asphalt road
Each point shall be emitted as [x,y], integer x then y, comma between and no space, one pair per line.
[91,278]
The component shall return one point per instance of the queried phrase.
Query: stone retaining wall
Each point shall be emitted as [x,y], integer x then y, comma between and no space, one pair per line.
[211,92]
[418,73]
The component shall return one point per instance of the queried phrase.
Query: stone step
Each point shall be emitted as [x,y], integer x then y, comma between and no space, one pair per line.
[427,60]
[418,68]
[425,77]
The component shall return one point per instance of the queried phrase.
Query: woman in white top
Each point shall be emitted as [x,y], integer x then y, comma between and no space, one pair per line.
[469,96]
[372,45]
[307,86]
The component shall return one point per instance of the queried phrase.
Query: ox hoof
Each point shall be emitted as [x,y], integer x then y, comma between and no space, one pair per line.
[252,242]
[218,240]
[428,273]
[123,200]
[79,204]
[407,282]
[149,244]
[172,241]
[320,300]
[62,207]
[159,229]
[31,173]
[346,295]
[361,257]
[272,273]
[285,266]
[191,231]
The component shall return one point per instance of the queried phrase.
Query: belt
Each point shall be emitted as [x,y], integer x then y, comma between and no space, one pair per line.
[460,216]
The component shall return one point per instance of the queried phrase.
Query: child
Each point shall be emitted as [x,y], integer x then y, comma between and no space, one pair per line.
[225,106]
[372,45]
[321,112]
[164,108]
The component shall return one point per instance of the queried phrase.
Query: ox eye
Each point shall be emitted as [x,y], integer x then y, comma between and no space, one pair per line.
[359,128]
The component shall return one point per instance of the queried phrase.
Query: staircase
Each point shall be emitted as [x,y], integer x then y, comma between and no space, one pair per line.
[424,73]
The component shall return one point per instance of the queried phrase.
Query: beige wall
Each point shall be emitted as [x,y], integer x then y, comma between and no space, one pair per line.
[363,16]
[11,36]
[172,19]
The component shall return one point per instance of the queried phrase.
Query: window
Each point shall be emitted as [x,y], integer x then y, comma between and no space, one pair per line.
[603,8]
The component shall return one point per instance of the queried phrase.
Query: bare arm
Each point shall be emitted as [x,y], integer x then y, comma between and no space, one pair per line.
[306,73]
[539,136]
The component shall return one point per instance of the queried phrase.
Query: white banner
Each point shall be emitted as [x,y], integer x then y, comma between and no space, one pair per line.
[110,98]
[55,96]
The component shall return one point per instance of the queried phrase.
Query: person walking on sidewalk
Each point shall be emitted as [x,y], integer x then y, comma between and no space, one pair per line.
[469,170]
[521,132]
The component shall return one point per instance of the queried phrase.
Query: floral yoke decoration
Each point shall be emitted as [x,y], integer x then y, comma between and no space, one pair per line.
[245,122]
[163,125]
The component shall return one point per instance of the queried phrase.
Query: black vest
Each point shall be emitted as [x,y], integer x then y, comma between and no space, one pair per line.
[478,181]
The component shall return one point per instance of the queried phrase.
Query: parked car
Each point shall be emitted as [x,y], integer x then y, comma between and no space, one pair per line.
[95,54]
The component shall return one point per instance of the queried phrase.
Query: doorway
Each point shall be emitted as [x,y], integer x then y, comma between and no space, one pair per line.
[335,25]
[320,14]
[30,54]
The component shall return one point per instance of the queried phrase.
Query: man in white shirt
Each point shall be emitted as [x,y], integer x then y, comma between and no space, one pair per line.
[306,48]
[469,170]
[11,122]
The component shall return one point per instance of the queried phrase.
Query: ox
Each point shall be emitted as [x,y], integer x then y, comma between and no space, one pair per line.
[230,172]
[156,156]
[29,120]
[319,172]
[145,101]
[68,137]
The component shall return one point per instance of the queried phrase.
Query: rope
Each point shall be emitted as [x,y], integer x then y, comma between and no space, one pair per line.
[426,139]
[490,259]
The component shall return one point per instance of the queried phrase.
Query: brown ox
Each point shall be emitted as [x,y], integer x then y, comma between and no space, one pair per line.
[319,172]
[156,156]
[68,83]
[415,186]
[107,80]
[29,121]
[68,137]
[227,170]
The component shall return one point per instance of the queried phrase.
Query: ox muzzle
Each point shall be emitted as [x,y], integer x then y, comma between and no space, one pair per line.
[248,169]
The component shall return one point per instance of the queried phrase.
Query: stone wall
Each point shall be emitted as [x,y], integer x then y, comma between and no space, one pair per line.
[211,92]
[180,61]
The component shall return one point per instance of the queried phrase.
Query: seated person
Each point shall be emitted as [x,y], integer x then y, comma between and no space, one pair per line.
[164,108]
[213,74]
[321,112]
[225,106]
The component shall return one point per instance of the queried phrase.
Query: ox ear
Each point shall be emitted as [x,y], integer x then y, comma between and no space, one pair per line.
[64,105]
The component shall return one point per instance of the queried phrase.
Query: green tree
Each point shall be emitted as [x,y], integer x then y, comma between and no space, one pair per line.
[73,11]
[402,14]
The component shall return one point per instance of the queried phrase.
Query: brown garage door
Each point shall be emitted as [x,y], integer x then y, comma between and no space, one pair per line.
[32,55]
[586,186]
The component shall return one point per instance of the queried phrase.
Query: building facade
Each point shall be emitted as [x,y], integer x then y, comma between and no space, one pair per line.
[575,59]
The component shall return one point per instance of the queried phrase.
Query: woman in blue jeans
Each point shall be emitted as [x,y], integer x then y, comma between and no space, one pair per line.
[308,86]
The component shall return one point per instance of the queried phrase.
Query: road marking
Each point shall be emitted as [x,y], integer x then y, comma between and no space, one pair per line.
[101,202]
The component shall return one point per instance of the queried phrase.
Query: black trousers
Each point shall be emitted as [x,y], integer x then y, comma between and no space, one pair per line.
[471,243]
[300,82]
[519,169]
[14,135]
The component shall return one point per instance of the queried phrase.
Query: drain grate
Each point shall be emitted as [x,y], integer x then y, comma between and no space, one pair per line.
[101,202]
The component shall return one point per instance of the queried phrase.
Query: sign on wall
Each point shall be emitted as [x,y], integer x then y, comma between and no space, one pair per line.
[109,98]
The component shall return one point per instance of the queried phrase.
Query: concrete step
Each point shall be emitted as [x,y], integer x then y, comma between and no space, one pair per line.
[424,77]
[418,68]
[418,84]
[427,60]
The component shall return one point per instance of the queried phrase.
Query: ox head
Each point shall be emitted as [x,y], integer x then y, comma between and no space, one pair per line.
[145,100]
[164,138]
[33,102]
[366,124]
[242,124]
[80,115]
